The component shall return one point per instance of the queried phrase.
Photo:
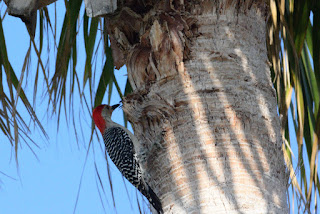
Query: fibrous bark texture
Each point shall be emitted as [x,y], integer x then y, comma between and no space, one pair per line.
[200,75]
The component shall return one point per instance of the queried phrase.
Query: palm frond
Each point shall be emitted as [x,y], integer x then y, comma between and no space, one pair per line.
[293,46]
[10,94]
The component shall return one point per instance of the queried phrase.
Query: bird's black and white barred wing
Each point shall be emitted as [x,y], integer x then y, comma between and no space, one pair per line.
[121,151]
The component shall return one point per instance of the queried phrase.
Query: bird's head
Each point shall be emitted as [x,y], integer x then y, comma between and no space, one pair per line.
[101,114]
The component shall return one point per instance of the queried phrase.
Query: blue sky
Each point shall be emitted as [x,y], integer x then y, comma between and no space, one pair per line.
[49,183]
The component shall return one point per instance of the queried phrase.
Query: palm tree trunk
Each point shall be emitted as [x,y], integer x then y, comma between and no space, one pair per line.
[200,75]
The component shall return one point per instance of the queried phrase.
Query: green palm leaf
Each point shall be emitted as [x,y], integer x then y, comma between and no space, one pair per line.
[293,49]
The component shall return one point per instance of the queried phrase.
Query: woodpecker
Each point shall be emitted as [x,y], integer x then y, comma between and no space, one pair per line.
[121,145]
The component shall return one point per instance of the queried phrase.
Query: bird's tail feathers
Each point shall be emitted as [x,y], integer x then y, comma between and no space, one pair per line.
[153,199]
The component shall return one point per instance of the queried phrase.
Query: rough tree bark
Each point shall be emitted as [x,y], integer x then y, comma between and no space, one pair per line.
[200,73]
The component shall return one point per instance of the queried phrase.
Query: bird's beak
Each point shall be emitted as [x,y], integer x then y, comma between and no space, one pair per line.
[115,106]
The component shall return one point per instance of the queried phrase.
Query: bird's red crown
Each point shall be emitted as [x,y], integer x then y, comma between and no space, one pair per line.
[98,119]
[102,113]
